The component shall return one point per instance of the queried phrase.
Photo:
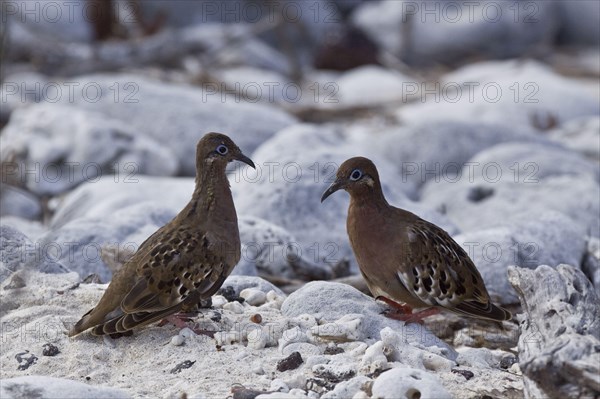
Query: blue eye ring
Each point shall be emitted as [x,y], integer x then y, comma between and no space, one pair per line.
[356,174]
[222,149]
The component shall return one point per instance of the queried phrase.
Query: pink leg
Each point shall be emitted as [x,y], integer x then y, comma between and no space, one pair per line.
[404,312]
[180,320]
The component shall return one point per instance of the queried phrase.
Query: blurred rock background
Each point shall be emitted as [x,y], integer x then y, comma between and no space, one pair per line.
[483,117]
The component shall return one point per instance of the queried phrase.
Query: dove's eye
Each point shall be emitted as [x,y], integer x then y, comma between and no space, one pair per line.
[222,149]
[355,175]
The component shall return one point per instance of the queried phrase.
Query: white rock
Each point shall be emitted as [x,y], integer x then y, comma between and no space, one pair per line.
[348,389]
[312,361]
[253,296]
[18,202]
[258,369]
[70,146]
[544,98]
[342,300]
[257,338]
[177,340]
[581,135]
[218,301]
[437,150]
[239,283]
[374,359]
[277,395]
[497,202]
[421,33]
[18,251]
[298,392]
[293,335]
[158,102]
[51,387]
[266,245]
[409,383]
[227,337]
[187,332]
[347,328]
[234,307]
[304,321]
[279,386]
[338,371]
[369,86]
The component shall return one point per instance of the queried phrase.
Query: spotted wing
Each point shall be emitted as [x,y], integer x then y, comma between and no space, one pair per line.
[440,273]
[183,267]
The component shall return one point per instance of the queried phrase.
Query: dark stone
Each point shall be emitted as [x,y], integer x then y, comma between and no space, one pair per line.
[92,279]
[508,361]
[478,194]
[465,373]
[186,364]
[333,350]
[291,362]
[50,350]
[215,316]
[230,294]
[25,360]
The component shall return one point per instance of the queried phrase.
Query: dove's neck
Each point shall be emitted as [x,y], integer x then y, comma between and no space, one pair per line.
[212,194]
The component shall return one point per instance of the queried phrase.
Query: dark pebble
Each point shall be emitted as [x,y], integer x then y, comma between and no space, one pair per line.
[215,316]
[230,294]
[92,279]
[50,350]
[25,360]
[333,350]
[182,366]
[291,362]
[465,373]
[508,361]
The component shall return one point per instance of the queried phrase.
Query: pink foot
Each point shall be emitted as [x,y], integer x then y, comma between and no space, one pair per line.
[180,320]
[405,313]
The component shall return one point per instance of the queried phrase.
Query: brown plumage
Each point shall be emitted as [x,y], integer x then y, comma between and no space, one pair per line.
[404,258]
[185,260]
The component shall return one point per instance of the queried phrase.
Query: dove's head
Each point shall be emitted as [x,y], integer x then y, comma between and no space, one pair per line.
[358,176]
[218,149]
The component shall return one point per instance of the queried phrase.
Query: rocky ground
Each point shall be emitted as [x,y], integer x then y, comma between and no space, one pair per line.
[497,141]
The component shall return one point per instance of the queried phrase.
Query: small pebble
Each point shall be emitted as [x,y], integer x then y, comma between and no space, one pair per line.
[215,316]
[257,339]
[291,362]
[218,301]
[177,340]
[253,297]
[258,369]
[187,332]
[508,361]
[298,392]
[182,366]
[256,318]
[333,349]
[25,360]
[50,350]
[234,307]
[465,373]
[334,372]
[516,369]
[278,385]
[229,293]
